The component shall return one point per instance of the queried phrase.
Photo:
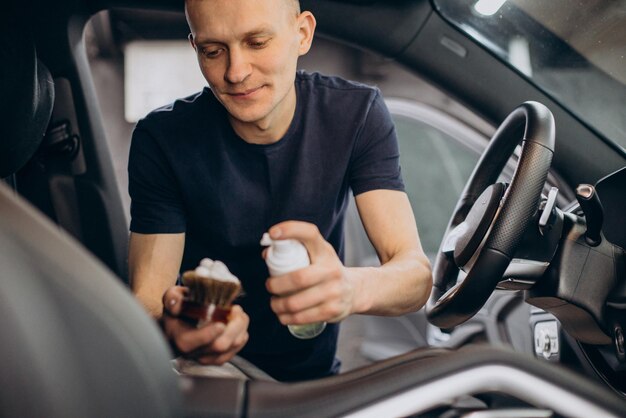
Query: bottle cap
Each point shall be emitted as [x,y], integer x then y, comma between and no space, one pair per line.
[285,254]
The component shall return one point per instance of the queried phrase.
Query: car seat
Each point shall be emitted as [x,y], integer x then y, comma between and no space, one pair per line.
[27,91]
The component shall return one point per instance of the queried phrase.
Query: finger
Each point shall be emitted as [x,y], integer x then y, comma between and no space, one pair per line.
[297,280]
[173,300]
[238,320]
[327,311]
[241,341]
[228,344]
[305,232]
[237,326]
[187,339]
[305,299]
[174,327]
[209,355]
[225,357]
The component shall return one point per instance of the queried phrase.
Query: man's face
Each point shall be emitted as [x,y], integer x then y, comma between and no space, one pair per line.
[248,51]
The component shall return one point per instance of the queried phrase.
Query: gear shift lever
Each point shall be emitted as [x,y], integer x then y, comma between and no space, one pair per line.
[594,214]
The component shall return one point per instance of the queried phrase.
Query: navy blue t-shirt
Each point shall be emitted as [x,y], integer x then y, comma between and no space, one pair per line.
[190,172]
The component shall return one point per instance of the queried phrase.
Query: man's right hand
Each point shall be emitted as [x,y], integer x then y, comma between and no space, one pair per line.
[214,343]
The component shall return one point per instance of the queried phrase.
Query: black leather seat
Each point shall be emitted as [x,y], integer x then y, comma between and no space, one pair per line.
[27,92]
[74,342]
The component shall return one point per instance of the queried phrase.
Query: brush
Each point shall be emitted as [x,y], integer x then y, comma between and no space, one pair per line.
[211,291]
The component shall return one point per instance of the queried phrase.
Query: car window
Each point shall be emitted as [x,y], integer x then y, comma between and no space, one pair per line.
[438,152]
[437,155]
[435,167]
[574,51]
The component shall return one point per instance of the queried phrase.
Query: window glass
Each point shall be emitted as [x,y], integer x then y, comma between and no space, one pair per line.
[435,168]
[572,50]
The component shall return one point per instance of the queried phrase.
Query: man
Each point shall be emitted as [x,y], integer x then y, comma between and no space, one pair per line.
[267,148]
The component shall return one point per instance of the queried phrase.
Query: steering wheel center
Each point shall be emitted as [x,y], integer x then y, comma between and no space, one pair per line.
[476,225]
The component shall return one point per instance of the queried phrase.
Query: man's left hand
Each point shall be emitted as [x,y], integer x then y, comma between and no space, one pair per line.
[323,291]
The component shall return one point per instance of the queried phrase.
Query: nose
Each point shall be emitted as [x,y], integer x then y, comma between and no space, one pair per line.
[239,67]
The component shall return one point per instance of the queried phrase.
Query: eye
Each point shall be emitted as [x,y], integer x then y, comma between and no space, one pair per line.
[211,53]
[258,44]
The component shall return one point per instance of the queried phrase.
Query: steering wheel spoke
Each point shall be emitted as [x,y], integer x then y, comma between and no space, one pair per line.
[452,238]
[522,274]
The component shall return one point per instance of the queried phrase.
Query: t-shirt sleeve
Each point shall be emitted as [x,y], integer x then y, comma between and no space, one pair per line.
[375,162]
[156,205]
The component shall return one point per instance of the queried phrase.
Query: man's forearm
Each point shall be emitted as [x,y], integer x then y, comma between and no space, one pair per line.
[149,287]
[399,286]
[151,301]
[153,264]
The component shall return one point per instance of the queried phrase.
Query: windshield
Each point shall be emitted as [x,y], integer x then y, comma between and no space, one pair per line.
[573,50]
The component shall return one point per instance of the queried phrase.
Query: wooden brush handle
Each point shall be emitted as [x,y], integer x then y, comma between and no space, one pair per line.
[196,313]
[220,315]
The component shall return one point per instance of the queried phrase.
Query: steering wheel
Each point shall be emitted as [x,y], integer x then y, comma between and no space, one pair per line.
[490,218]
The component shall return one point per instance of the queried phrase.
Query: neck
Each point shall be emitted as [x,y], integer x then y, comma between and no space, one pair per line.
[271,128]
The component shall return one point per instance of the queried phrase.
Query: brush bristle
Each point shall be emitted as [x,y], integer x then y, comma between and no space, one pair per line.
[206,291]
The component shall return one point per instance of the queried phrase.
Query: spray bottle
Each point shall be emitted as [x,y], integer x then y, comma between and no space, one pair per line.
[285,256]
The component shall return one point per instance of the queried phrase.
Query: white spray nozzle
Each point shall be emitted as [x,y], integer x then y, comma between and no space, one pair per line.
[266,241]
[284,255]
[282,246]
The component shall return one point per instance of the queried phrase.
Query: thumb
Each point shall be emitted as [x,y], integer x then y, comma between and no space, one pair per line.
[305,232]
[173,300]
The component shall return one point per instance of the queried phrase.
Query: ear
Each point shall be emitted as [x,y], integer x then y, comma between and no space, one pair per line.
[190,37]
[306,27]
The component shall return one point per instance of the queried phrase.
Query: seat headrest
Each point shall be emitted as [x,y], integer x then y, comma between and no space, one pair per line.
[27,92]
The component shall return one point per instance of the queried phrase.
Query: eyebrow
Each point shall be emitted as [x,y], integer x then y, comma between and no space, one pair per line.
[262,31]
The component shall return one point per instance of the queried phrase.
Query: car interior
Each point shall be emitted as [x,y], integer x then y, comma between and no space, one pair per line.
[528,306]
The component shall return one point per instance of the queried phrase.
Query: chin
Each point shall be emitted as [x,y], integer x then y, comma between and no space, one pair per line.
[247,117]
[247,114]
